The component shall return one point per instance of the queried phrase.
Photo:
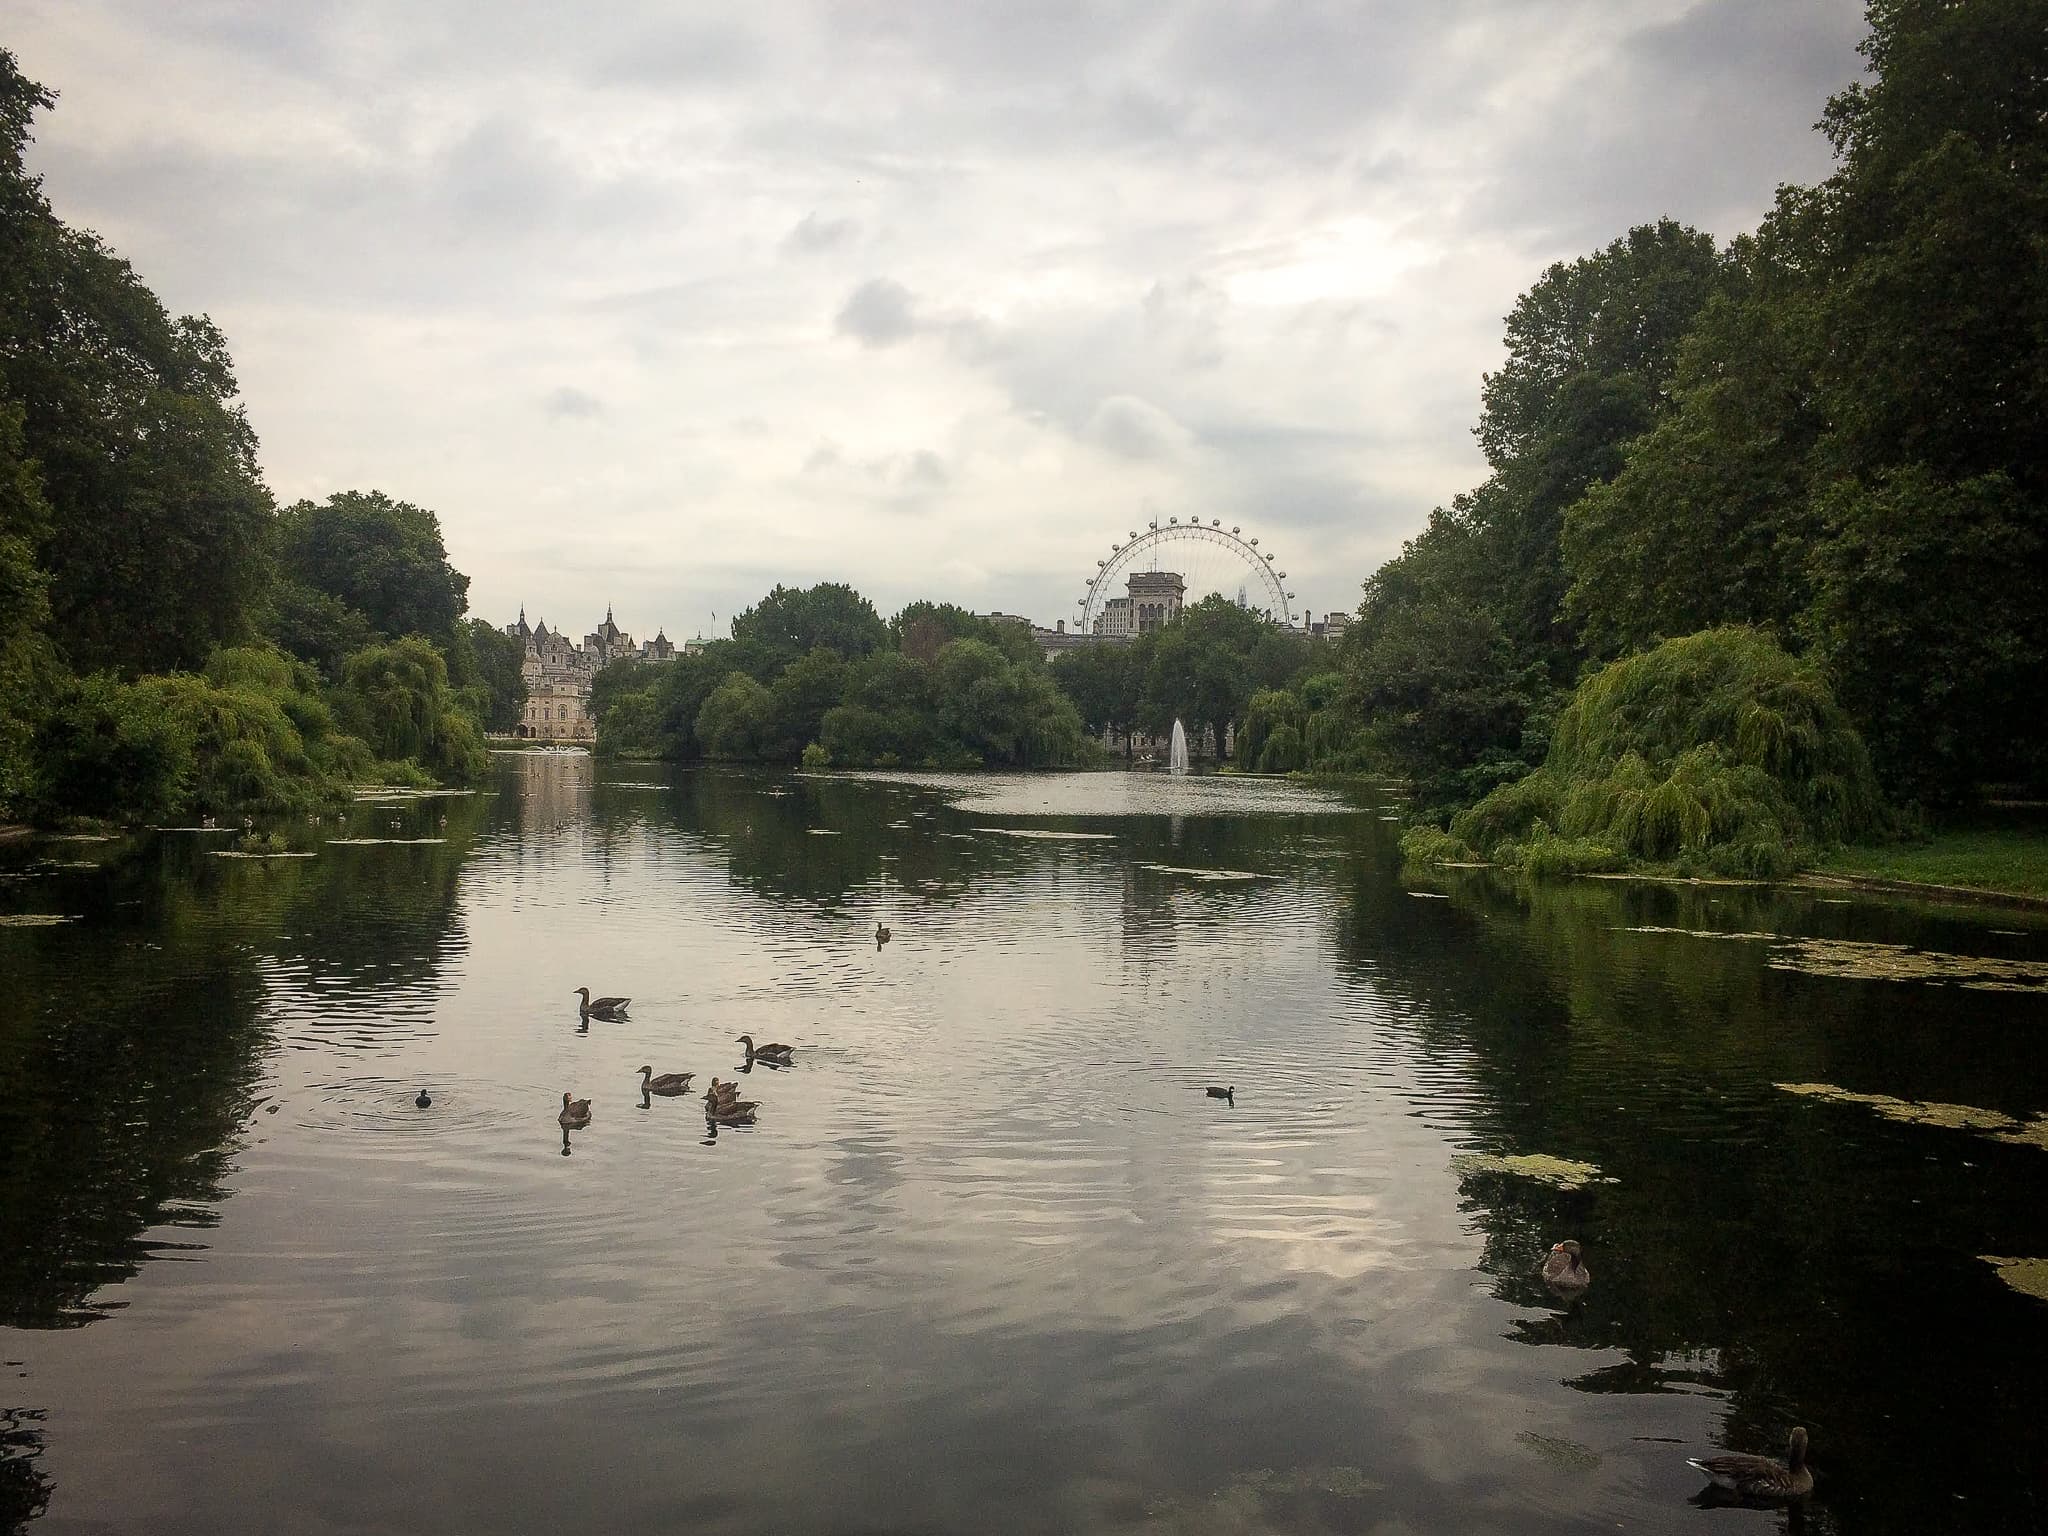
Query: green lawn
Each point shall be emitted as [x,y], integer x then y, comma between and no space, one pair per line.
[1984,858]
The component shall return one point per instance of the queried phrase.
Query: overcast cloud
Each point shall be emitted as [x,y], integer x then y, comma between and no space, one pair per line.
[658,305]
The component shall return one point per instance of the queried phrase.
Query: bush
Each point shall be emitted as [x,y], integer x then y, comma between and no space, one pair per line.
[396,697]
[1433,845]
[111,749]
[816,758]
[1716,751]
[1282,753]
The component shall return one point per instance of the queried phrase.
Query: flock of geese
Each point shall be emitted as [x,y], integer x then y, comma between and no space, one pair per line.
[1761,1479]
[722,1102]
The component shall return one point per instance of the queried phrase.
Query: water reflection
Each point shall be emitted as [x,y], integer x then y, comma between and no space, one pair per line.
[992,1257]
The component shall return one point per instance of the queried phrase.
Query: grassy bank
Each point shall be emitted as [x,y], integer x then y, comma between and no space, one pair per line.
[2010,858]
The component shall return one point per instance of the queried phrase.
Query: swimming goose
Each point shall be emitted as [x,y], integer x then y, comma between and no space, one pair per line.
[575,1113]
[1563,1270]
[669,1084]
[1229,1093]
[423,1101]
[769,1053]
[1762,1477]
[882,935]
[602,1007]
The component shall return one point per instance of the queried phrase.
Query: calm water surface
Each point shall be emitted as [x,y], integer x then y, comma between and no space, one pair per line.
[992,1260]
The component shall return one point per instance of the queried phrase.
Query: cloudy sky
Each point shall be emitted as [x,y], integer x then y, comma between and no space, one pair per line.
[660,304]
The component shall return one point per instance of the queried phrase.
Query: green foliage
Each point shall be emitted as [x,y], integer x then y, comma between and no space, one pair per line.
[1717,751]
[380,558]
[1106,684]
[1938,650]
[27,663]
[501,684]
[923,628]
[250,733]
[791,622]
[737,720]
[816,759]
[396,698]
[1282,752]
[111,749]
[154,542]
[1428,844]
[800,697]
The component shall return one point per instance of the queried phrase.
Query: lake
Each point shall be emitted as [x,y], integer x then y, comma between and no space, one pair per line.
[992,1259]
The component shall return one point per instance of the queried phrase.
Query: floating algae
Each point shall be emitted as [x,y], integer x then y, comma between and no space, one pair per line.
[1559,1172]
[1900,962]
[1206,874]
[1994,1123]
[1569,1454]
[1703,933]
[35,919]
[1046,835]
[375,842]
[236,853]
[2027,1276]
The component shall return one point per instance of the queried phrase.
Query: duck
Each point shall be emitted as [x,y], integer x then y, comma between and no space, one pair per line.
[575,1113]
[882,935]
[423,1101]
[1229,1094]
[1563,1269]
[602,1007]
[768,1053]
[668,1084]
[1762,1477]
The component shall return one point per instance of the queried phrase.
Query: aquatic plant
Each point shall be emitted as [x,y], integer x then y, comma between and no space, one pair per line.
[1558,1172]
[2027,1276]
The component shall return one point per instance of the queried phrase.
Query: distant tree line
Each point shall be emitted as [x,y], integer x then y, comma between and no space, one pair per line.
[816,675]
[170,641]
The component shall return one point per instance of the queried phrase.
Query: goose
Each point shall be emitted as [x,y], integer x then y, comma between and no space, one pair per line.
[1563,1270]
[602,1007]
[668,1084]
[1229,1093]
[1762,1477]
[882,935]
[575,1113]
[423,1101]
[769,1053]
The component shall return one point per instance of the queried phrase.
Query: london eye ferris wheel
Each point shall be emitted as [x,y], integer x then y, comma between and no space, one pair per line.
[1208,557]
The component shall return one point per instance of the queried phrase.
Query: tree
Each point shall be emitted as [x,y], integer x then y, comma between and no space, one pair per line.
[155,546]
[1934,647]
[396,697]
[382,558]
[1439,689]
[736,720]
[791,622]
[500,663]
[807,688]
[1104,681]
[1200,668]
[923,627]
[26,661]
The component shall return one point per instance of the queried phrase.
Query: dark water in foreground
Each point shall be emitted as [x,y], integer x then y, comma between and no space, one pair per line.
[991,1260]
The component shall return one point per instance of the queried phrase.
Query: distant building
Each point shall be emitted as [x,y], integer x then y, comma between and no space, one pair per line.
[1156,599]
[559,673]
[1114,622]
[1330,628]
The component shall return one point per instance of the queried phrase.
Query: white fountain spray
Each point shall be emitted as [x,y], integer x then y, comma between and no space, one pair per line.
[1177,756]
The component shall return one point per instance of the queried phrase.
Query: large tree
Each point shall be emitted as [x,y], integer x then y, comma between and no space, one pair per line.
[793,621]
[378,557]
[156,539]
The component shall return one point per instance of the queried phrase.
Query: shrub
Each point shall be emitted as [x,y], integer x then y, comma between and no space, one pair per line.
[1433,845]
[816,758]
[1717,751]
